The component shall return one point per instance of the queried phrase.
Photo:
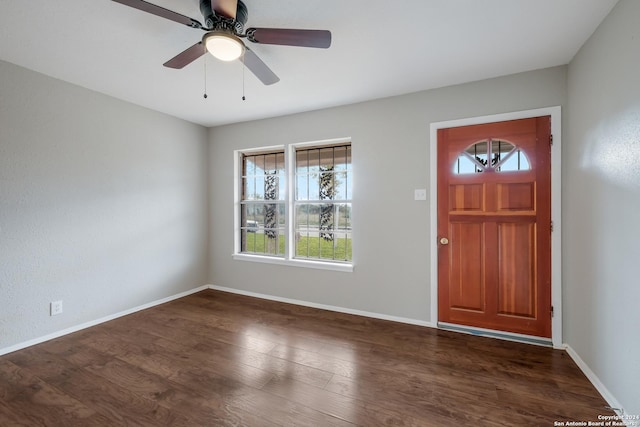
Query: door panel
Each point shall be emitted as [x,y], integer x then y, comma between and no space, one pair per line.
[494,207]
[516,196]
[516,269]
[467,278]
[466,197]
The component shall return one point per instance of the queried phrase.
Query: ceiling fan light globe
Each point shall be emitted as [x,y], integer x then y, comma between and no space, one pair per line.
[223,46]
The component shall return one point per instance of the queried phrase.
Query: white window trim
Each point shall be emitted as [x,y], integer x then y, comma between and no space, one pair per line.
[288,259]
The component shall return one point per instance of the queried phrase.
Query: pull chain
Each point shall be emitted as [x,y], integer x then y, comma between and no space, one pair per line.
[205,77]
[243,68]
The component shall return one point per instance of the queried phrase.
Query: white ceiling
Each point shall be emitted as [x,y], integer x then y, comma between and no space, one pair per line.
[380,48]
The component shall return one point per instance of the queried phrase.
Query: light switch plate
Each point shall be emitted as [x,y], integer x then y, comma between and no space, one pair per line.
[420,194]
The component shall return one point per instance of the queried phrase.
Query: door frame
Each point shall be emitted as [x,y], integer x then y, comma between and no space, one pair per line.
[556,235]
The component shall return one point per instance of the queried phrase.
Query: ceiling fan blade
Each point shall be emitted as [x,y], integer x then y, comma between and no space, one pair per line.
[186,57]
[259,68]
[226,8]
[290,37]
[160,11]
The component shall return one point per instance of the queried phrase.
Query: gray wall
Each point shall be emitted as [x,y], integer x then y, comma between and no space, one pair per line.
[390,159]
[602,204]
[103,205]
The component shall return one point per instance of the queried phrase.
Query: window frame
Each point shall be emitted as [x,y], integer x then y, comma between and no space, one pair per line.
[290,176]
[256,202]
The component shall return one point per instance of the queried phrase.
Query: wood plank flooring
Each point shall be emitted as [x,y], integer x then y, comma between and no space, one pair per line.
[219,359]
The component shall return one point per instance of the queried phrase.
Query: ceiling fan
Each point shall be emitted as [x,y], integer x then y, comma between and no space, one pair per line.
[224,26]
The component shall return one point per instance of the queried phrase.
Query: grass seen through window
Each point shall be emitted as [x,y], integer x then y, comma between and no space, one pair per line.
[307,247]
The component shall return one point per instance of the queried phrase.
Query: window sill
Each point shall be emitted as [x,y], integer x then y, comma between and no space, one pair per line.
[320,265]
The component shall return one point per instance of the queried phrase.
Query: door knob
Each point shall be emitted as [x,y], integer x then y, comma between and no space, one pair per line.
[444,241]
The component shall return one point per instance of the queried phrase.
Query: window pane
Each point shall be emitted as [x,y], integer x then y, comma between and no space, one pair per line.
[342,182]
[327,220]
[281,215]
[249,165]
[259,162]
[479,152]
[271,186]
[280,167]
[327,183]
[465,165]
[258,189]
[270,164]
[310,245]
[248,213]
[259,243]
[314,186]
[326,157]
[515,162]
[281,188]
[264,177]
[342,156]
[248,188]
[248,241]
[323,230]
[307,217]
[328,170]
[302,161]
[302,184]
[314,160]
[501,147]
[343,216]
[263,228]
[342,246]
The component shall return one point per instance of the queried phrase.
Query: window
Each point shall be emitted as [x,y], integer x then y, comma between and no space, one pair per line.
[505,157]
[323,203]
[262,213]
[294,205]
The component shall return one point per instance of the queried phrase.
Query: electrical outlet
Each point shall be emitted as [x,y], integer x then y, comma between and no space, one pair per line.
[56,308]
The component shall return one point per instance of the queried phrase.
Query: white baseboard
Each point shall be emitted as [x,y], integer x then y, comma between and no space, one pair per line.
[604,392]
[76,328]
[326,307]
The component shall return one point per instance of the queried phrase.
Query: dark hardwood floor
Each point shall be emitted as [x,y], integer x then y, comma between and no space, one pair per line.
[218,359]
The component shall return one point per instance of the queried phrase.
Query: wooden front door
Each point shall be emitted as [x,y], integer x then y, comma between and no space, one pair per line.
[494,226]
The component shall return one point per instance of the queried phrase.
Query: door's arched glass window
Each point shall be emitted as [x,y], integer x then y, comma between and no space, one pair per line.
[503,155]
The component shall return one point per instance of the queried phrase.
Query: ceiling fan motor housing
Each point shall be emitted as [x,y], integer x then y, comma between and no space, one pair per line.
[215,21]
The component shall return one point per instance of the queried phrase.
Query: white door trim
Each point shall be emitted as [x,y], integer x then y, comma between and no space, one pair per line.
[556,178]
